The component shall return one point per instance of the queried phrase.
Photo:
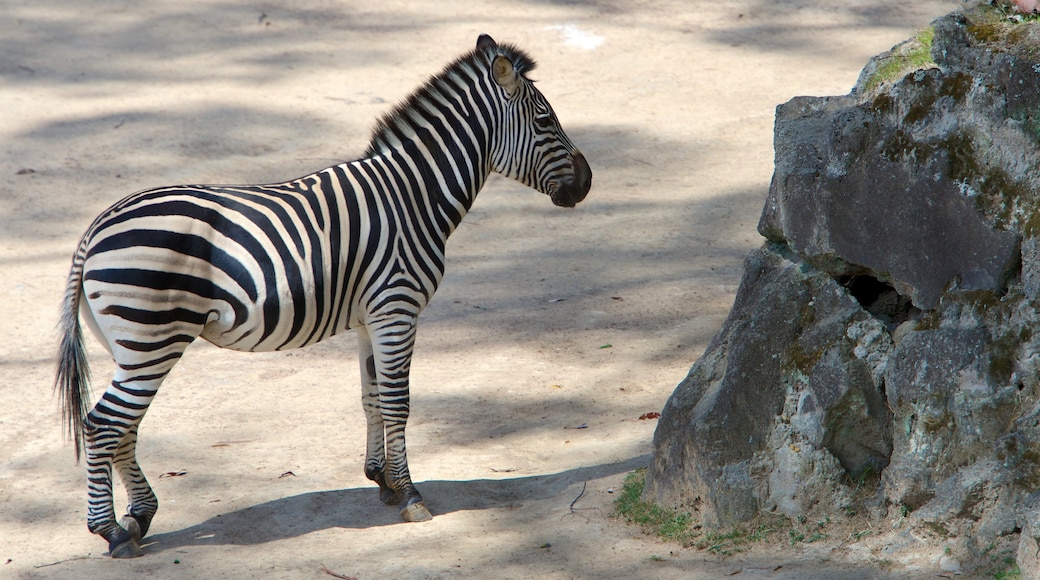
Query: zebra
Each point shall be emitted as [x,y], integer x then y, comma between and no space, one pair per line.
[359,245]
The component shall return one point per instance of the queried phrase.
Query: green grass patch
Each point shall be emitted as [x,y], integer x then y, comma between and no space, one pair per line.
[655,520]
[736,540]
[684,529]
[1012,573]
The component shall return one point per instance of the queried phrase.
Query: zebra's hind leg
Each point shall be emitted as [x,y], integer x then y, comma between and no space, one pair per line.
[111,438]
[143,503]
[104,443]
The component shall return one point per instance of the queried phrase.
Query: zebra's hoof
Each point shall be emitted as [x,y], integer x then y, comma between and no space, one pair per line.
[389,496]
[128,549]
[416,512]
[132,526]
[122,539]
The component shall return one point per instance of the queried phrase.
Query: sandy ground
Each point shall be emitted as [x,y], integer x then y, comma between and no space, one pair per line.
[547,320]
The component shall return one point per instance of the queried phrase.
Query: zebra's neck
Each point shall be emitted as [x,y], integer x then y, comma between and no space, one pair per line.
[439,180]
[441,136]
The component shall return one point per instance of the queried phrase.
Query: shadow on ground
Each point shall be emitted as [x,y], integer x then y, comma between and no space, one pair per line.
[360,508]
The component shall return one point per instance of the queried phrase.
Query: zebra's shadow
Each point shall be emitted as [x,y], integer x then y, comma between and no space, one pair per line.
[301,514]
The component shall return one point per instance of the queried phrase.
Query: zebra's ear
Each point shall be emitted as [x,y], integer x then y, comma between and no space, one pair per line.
[485,42]
[504,74]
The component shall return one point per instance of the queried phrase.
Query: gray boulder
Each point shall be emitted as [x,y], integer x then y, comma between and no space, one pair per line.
[882,337]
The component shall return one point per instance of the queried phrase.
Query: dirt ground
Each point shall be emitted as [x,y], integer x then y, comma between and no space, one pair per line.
[554,329]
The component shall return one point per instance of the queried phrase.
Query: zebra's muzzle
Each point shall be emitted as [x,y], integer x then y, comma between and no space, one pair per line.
[568,193]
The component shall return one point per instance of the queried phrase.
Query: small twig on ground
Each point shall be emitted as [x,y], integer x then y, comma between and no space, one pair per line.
[573,510]
[62,561]
[583,486]
[335,575]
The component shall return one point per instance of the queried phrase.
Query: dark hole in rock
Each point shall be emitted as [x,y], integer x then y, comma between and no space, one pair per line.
[880,299]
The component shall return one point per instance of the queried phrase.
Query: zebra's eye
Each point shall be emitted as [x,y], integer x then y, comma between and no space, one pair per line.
[543,120]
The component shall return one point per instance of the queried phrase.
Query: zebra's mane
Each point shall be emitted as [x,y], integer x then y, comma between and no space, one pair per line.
[400,119]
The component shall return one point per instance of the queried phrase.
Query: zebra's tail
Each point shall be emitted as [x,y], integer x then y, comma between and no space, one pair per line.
[72,377]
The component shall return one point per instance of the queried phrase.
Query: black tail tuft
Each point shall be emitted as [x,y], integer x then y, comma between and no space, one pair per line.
[72,377]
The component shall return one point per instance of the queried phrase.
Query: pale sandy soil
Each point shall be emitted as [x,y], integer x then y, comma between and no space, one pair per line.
[672,103]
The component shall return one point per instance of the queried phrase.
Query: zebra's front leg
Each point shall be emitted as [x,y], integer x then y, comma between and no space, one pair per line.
[399,479]
[386,360]
[375,452]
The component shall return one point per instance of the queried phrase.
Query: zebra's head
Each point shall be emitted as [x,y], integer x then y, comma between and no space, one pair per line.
[531,146]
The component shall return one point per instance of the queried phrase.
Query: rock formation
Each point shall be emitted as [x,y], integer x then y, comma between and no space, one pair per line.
[881,348]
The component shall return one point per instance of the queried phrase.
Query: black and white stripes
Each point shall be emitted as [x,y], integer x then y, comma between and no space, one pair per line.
[280,266]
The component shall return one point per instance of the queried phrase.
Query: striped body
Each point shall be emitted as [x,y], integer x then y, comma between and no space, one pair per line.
[272,267]
[264,268]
